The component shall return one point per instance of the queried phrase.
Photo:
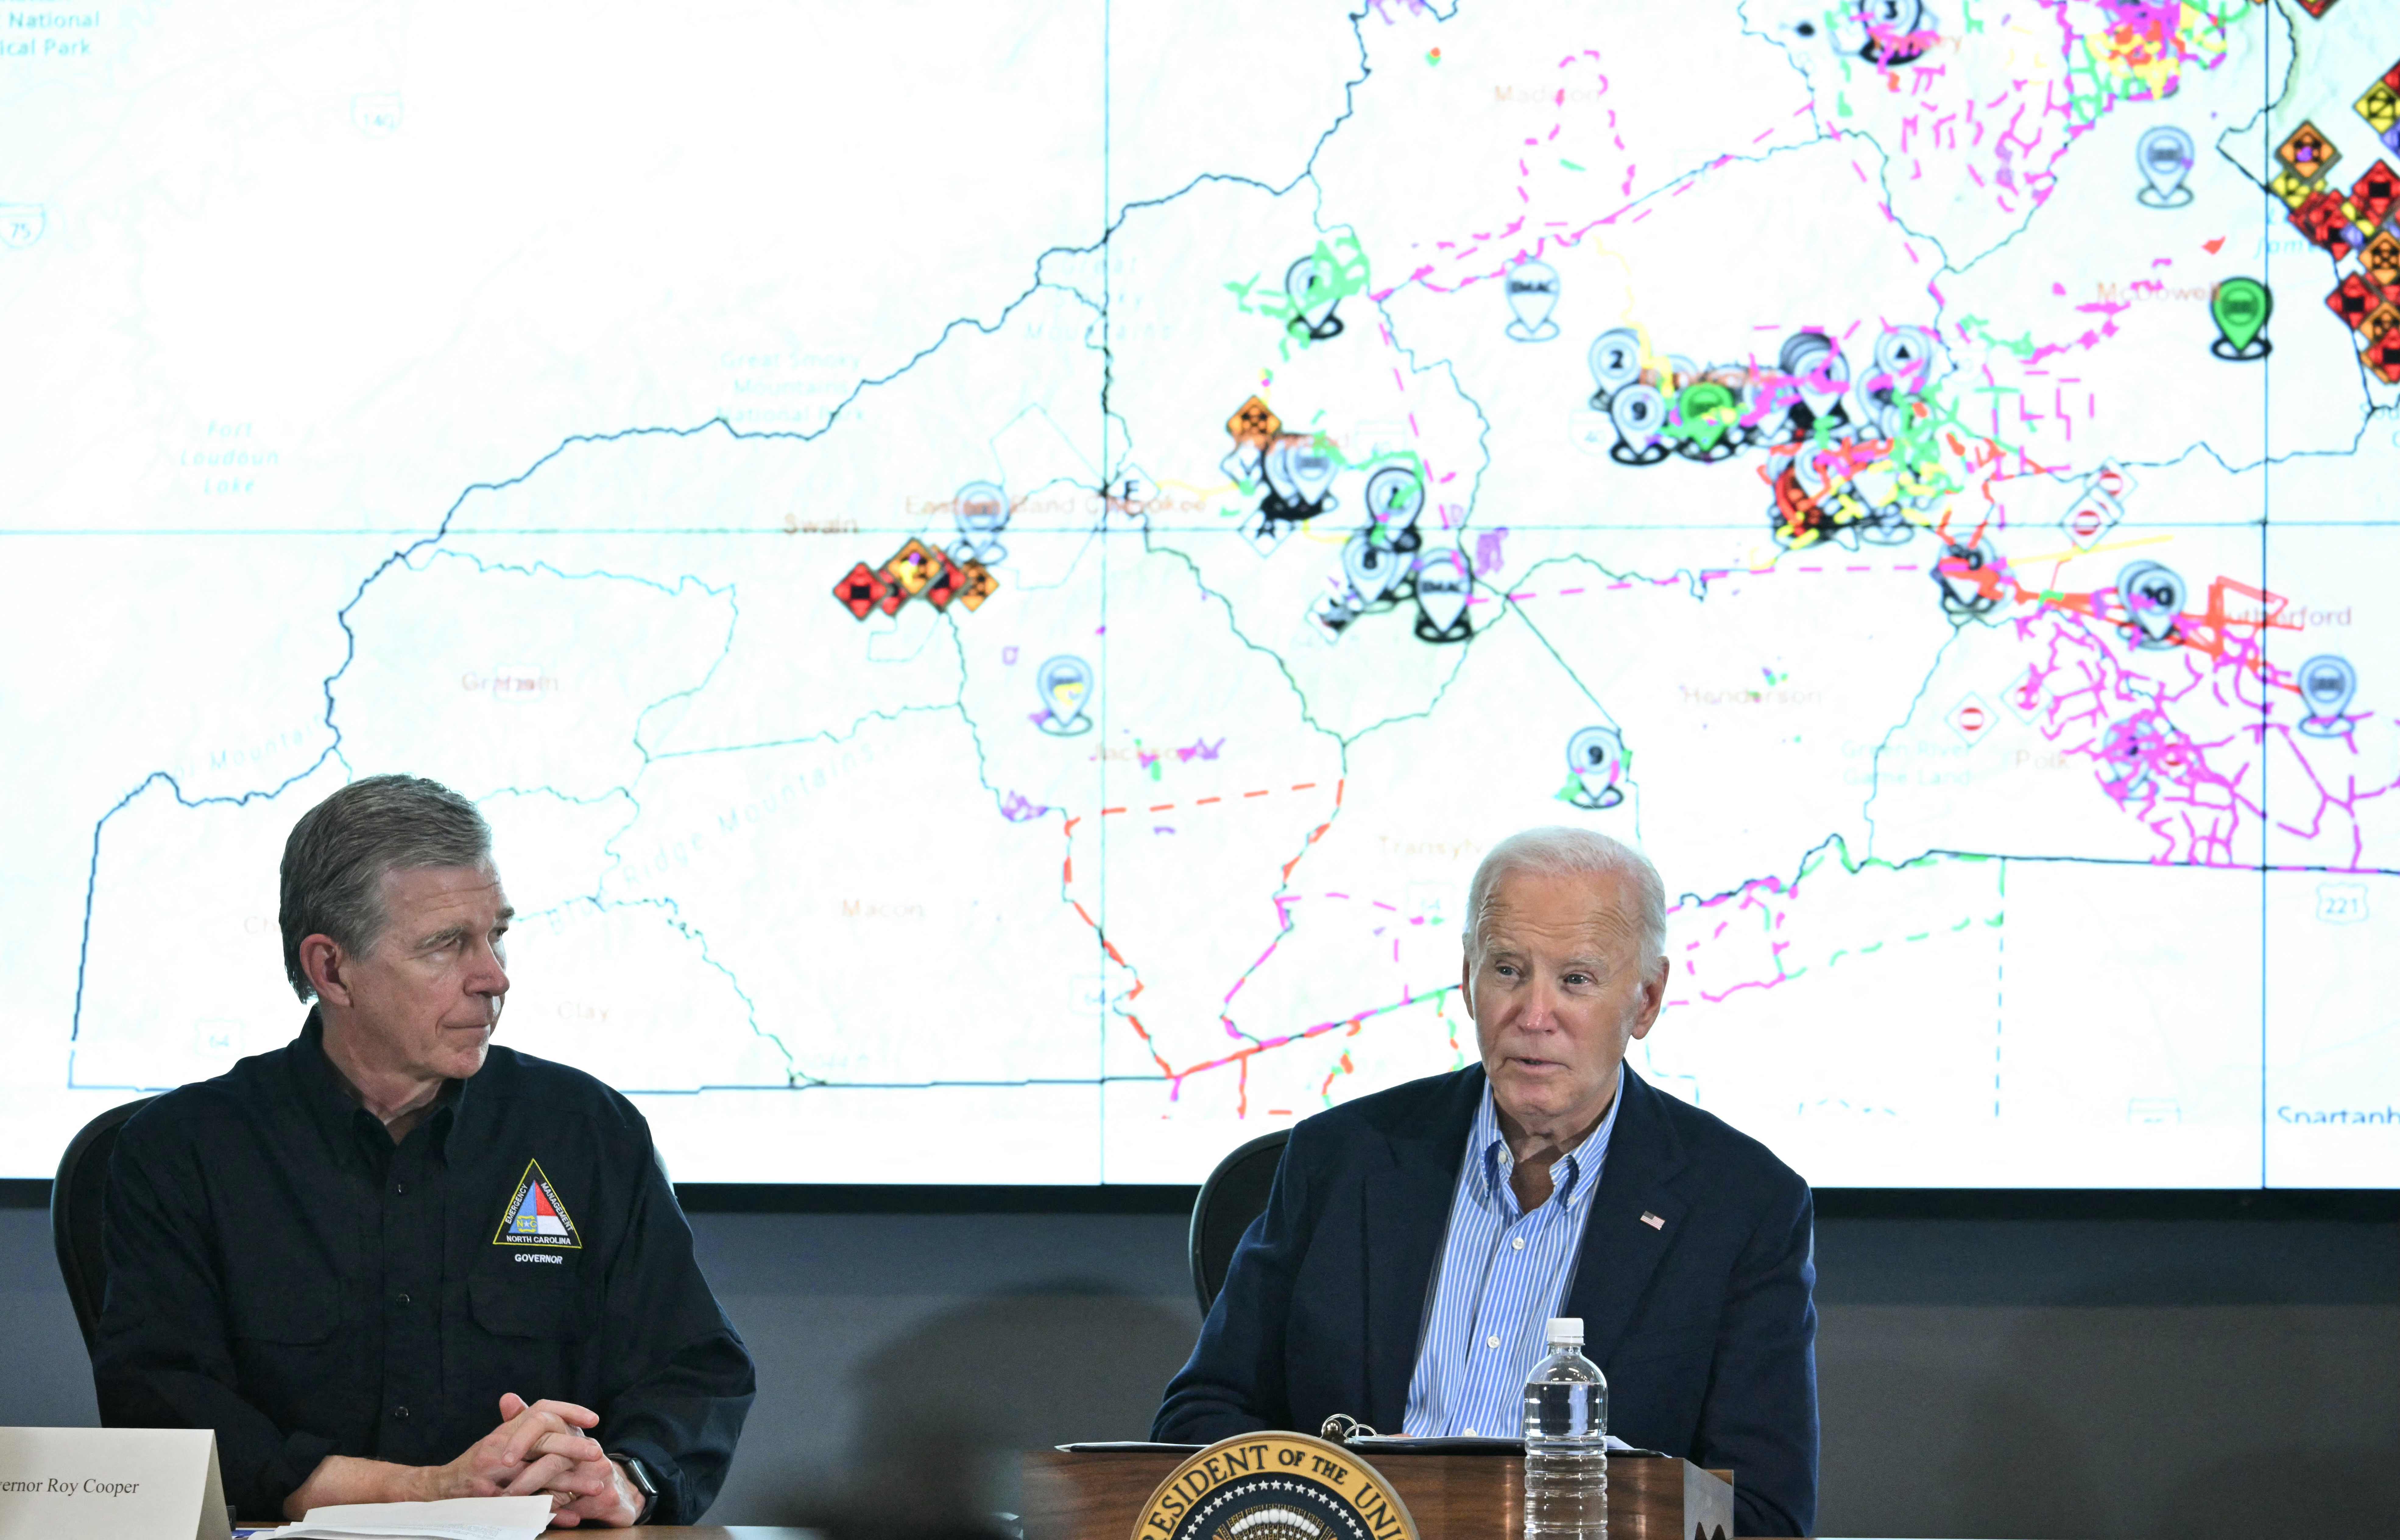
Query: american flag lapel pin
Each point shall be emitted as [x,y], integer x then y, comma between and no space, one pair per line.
[1653,1221]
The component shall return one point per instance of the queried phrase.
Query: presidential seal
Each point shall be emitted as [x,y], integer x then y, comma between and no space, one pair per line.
[1275,1486]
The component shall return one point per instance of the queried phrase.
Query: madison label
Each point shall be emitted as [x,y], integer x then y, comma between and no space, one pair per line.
[1275,1486]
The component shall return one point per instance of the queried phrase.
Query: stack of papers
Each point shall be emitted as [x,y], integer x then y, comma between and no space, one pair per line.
[451,1518]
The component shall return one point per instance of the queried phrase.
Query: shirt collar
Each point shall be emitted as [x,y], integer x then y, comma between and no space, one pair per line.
[334,1101]
[1567,1174]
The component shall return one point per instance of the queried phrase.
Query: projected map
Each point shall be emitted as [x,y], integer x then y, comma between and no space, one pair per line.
[994,576]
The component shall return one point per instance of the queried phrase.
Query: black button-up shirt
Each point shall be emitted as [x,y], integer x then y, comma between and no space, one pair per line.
[279,1270]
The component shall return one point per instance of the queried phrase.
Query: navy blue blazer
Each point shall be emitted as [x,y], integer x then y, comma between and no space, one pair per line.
[1704,1325]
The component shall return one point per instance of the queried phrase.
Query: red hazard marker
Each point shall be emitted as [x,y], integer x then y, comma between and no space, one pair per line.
[862,590]
[945,585]
[2383,357]
[2355,300]
[2322,219]
[1970,719]
[2371,195]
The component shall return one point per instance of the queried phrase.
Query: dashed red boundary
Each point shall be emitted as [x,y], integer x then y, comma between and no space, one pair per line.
[1067,877]
[1204,801]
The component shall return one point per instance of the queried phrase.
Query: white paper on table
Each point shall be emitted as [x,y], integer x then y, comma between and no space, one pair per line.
[449,1519]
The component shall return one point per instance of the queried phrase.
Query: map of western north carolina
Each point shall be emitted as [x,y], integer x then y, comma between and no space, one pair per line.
[995,580]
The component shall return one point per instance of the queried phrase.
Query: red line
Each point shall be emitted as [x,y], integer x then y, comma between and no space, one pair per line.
[1306,785]
[1254,794]
[1112,810]
[1206,800]
[1161,807]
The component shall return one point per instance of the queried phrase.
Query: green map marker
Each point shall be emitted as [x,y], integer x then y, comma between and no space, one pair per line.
[1708,410]
[2240,307]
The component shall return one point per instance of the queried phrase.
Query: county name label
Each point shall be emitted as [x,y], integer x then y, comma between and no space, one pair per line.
[113,1483]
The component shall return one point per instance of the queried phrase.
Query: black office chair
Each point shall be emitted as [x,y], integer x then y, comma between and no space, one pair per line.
[1234,1194]
[76,1201]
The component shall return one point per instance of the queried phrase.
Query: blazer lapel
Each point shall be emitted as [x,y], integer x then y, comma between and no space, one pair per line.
[1621,1248]
[1406,1213]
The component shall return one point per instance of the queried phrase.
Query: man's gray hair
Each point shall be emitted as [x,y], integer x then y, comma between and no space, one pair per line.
[335,862]
[1562,850]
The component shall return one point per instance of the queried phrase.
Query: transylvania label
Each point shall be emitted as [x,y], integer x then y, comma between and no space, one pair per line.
[1275,1486]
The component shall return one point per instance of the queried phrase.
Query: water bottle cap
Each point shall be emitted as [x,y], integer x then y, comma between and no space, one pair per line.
[1566,1331]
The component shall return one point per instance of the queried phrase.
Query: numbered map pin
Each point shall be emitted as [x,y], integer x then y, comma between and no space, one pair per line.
[1801,349]
[1640,414]
[1903,361]
[1596,760]
[1310,283]
[1826,380]
[2153,596]
[1064,683]
[1395,497]
[1532,294]
[1312,470]
[2164,157]
[2326,685]
[1968,576]
[1615,361]
[1891,28]
[1707,411]
[1370,566]
[1819,375]
[1282,490]
[982,512]
[2240,307]
[1443,583]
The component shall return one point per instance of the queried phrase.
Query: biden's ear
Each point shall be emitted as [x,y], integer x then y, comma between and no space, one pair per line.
[1654,999]
[326,964]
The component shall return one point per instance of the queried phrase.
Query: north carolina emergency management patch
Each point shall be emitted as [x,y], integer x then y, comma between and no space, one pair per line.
[535,1217]
[1275,1486]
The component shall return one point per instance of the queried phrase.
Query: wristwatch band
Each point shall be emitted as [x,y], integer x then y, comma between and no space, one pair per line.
[639,1474]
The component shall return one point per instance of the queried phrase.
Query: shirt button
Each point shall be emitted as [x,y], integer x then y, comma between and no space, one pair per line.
[1489,1341]
[1470,1433]
[399,1413]
[400,1189]
[401,1298]
[1519,1243]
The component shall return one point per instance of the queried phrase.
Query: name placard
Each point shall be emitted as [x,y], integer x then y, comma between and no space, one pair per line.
[111,1484]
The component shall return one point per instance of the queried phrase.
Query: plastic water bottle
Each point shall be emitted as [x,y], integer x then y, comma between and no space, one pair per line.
[1566,1441]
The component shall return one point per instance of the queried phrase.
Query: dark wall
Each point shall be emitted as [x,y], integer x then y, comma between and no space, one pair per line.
[2035,1378]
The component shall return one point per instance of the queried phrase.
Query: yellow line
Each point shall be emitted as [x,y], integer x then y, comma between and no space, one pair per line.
[2070,554]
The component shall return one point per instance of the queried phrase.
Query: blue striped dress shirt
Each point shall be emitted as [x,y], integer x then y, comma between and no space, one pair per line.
[1502,1275]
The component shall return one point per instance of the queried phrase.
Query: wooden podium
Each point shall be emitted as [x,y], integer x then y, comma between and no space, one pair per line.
[1097,1493]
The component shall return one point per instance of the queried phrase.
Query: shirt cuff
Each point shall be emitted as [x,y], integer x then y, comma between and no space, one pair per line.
[289,1470]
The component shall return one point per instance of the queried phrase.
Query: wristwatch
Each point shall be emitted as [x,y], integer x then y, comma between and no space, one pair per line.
[639,1474]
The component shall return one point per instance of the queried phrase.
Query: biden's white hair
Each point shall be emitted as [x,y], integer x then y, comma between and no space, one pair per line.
[1562,850]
